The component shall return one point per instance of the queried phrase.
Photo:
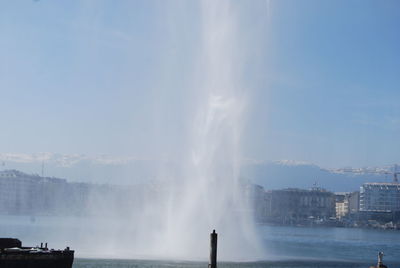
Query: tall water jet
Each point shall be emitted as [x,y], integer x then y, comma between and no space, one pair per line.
[210,193]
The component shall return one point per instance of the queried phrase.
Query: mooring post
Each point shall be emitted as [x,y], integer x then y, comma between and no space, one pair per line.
[213,249]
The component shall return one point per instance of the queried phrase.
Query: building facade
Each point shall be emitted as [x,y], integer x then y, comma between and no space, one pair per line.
[380,197]
[294,205]
[346,204]
[25,194]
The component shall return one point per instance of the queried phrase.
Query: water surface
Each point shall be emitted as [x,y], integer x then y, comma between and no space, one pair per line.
[283,246]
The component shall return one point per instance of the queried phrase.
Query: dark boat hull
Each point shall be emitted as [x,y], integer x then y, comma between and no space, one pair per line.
[55,259]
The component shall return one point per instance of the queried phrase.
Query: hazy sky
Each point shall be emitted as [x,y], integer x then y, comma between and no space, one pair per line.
[111,77]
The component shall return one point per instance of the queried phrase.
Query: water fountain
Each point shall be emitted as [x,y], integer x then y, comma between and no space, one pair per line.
[211,192]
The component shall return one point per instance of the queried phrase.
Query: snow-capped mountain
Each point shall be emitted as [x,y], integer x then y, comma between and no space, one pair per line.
[132,170]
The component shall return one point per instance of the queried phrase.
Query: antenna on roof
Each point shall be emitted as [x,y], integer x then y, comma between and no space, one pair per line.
[314,186]
[395,179]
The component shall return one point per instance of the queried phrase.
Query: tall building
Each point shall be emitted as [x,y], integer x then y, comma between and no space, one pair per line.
[380,197]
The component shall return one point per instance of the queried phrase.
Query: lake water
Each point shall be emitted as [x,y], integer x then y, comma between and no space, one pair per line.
[284,246]
[93,263]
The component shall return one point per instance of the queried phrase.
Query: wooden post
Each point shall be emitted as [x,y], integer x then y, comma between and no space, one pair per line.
[213,250]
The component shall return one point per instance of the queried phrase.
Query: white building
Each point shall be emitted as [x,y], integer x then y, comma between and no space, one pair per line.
[22,193]
[342,209]
[380,197]
[347,203]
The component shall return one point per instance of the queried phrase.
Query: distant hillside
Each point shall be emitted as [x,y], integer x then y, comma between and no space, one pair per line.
[129,170]
[81,168]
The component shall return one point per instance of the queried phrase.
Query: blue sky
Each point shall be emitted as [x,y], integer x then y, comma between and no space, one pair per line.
[112,77]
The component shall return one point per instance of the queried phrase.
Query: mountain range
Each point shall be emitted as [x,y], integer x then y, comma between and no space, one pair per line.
[131,170]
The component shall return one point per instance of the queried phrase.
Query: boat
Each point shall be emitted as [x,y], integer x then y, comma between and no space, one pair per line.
[14,255]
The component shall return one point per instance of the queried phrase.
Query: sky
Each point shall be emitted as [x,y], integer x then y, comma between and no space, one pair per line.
[112,77]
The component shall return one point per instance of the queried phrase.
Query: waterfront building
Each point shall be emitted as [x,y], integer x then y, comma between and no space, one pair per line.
[295,205]
[21,193]
[33,195]
[380,197]
[341,209]
[346,203]
[26,194]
